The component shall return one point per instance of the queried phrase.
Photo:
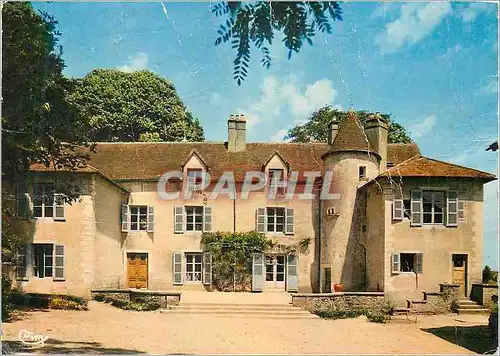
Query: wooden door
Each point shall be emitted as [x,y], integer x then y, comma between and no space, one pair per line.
[137,270]
[459,271]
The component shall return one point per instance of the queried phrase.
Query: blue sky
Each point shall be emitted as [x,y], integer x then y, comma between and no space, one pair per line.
[433,66]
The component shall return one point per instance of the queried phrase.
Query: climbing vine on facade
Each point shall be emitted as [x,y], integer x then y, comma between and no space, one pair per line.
[232,254]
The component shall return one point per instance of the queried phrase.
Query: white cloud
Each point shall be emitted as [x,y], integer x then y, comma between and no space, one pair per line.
[137,62]
[214,99]
[416,21]
[423,128]
[277,95]
[279,136]
[472,11]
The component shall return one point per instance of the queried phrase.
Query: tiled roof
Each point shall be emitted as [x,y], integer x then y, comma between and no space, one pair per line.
[135,161]
[419,166]
[351,136]
[399,152]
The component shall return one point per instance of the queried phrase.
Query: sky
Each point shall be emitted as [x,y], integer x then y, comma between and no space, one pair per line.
[432,66]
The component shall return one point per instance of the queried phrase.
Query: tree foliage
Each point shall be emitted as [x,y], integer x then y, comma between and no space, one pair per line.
[38,124]
[137,106]
[255,24]
[232,255]
[317,127]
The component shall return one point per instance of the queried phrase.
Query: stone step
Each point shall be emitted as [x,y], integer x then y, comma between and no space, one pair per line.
[223,310]
[473,311]
[466,301]
[470,306]
[234,307]
[238,305]
[241,314]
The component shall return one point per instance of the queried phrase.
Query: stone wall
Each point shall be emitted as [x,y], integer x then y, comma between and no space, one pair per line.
[436,303]
[482,293]
[165,299]
[339,301]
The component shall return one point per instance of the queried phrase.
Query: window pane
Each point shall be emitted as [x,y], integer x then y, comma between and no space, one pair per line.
[280,277]
[48,271]
[197,267]
[427,218]
[427,207]
[197,258]
[190,227]
[143,226]
[197,277]
[133,218]
[133,226]
[37,211]
[452,219]
[279,228]
[198,219]
[198,227]
[452,207]
[189,258]
[189,267]
[407,262]
[143,210]
[198,210]
[189,210]
[270,227]
[438,218]
[134,210]
[49,211]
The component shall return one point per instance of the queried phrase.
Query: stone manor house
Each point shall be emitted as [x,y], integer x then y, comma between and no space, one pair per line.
[403,223]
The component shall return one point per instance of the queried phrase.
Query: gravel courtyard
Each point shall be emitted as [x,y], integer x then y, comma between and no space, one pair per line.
[106,329]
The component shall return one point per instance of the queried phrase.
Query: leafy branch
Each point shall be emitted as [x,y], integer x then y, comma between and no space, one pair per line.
[255,24]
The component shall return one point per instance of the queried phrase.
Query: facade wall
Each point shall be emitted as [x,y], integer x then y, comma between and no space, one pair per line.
[163,242]
[436,242]
[374,238]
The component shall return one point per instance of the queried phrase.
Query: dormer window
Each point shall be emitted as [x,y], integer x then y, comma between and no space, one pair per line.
[276,178]
[195,179]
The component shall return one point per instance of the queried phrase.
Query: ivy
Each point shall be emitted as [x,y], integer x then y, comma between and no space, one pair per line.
[232,254]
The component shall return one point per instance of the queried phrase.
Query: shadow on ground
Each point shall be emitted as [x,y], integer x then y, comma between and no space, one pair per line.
[478,339]
[53,346]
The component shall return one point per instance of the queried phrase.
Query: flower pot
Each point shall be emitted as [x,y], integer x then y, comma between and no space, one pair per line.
[338,287]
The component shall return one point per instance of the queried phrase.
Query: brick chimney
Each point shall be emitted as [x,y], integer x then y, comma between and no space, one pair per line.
[236,133]
[334,129]
[377,129]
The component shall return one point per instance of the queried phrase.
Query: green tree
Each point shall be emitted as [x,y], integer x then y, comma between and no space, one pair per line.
[137,106]
[255,24]
[318,125]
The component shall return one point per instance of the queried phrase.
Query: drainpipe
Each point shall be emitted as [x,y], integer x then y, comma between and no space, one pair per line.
[234,209]
[320,212]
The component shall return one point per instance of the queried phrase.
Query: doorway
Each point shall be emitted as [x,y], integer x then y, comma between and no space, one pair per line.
[459,272]
[137,270]
[275,272]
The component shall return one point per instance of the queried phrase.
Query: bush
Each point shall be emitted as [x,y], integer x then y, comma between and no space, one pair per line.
[338,314]
[454,306]
[378,317]
[66,304]
[99,297]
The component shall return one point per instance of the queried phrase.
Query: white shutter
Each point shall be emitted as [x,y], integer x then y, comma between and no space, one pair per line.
[257,272]
[416,208]
[22,201]
[207,219]
[289,221]
[59,274]
[207,268]
[395,263]
[452,208]
[292,274]
[151,219]
[420,263]
[125,218]
[397,209]
[178,219]
[59,211]
[22,262]
[260,220]
[177,268]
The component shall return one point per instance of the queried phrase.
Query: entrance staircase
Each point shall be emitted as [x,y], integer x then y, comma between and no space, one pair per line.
[467,306]
[238,305]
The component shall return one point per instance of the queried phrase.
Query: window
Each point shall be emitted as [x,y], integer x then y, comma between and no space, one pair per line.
[407,262]
[362,172]
[42,260]
[138,218]
[195,179]
[193,267]
[390,164]
[433,204]
[275,219]
[43,202]
[276,177]
[194,218]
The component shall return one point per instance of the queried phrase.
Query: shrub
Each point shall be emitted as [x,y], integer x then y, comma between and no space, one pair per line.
[454,306]
[338,314]
[66,304]
[99,297]
[378,317]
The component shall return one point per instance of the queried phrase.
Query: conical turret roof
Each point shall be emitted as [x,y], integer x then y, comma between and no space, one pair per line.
[351,137]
